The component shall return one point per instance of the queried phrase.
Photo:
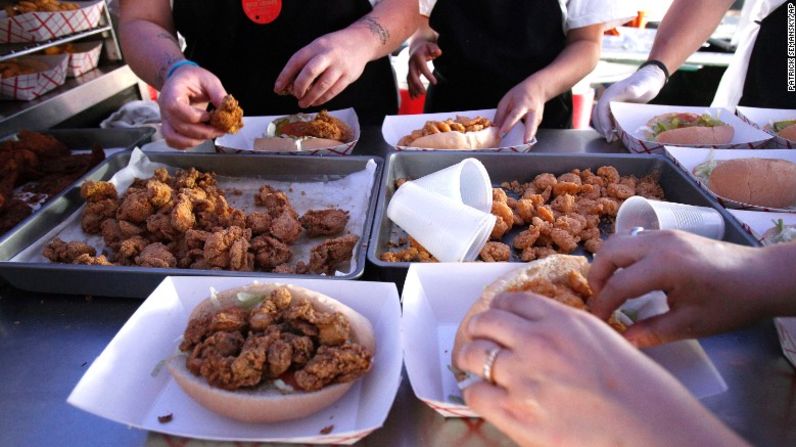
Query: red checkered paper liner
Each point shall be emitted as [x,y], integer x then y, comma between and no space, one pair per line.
[84,59]
[257,126]
[760,117]
[31,86]
[631,119]
[395,127]
[39,26]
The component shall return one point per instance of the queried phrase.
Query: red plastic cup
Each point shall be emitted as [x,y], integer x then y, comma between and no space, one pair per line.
[409,105]
[582,103]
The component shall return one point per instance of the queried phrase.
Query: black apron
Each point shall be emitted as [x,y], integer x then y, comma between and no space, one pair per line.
[248,57]
[488,47]
[766,79]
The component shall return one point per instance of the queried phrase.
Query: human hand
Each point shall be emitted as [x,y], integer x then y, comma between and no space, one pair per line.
[324,68]
[183,100]
[420,53]
[525,100]
[711,286]
[641,86]
[562,377]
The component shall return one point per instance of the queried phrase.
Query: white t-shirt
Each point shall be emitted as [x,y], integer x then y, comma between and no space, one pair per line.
[578,13]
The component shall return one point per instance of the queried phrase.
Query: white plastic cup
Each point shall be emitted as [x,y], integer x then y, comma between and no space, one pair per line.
[466,182]
[655,215]
[448,229]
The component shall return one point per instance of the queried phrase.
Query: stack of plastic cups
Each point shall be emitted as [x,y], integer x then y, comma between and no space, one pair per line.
[447,212]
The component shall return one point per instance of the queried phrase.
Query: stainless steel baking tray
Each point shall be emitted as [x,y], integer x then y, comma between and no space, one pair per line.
[677,186]
[139,281]
[84,140]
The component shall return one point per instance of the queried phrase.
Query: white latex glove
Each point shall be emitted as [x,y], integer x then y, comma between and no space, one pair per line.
[641,86]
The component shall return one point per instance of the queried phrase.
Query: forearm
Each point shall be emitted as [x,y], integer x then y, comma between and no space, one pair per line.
[578,59]
[686,26]
[386,27]
[148,39]
[150,50]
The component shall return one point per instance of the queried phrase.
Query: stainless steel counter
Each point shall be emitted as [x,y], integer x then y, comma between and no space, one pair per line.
[48,341]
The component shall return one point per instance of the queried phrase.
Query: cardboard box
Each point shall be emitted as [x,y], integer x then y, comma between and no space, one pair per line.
[26,87]
[127,383]
[40,25]
[437,296]
[256,126]
[396,127]
[688,158]
[631,120]
[762,118]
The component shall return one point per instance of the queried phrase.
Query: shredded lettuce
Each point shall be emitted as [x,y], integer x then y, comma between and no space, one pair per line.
[681,120]
[248,299]
[778,126]
[782,232]
[283,387]
[214,297]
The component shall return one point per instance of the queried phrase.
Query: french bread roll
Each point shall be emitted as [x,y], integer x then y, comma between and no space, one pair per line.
[788,133]
[484,138]
[755,181]
[697,135]
[266,404]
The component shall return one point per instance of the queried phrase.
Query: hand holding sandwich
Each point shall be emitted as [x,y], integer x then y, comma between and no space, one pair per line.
[712,286]
[543,395]
[183,100]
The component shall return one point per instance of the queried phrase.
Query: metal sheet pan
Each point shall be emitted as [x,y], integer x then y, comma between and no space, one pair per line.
[83,140]
[677,186]
[139,281]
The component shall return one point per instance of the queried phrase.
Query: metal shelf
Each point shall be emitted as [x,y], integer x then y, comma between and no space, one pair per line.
[12,50]
[75,96]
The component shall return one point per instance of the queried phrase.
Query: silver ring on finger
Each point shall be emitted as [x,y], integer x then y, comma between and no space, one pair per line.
[636,230]
[489,364]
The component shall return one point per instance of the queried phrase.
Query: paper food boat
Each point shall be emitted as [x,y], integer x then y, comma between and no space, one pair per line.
[39,26]
[84,59]
[396,127]
[30,86]
[437,296]
[760,118]
[126,384]
[688,158]
[631,120]
[256,126]
[757,223]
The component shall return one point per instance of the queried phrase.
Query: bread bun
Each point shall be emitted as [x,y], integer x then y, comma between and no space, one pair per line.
[691,134]
[554,268]
[788,133]
[697,135]
[482,139]
[755,181]
[287,144]
[267,404]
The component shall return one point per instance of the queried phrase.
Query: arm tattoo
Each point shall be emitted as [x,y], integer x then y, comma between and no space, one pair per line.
[376,28]
[168,36]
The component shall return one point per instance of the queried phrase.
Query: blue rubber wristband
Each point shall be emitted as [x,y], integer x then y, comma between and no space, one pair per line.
[179,64]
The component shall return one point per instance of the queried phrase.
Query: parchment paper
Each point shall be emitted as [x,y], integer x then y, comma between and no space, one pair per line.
[350,193]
